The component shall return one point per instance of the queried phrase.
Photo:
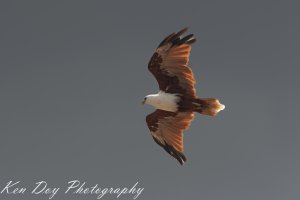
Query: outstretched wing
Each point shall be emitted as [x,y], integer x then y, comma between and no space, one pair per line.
[167,130]
[169,64]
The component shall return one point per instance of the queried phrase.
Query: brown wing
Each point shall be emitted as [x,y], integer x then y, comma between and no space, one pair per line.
[169,64]
[167,130]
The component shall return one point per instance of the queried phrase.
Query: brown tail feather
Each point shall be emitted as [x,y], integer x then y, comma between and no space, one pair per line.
[208,106]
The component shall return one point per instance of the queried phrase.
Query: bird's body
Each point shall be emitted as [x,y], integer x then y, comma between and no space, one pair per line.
[176,100]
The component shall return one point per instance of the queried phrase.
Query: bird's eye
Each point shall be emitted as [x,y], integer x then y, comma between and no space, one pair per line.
[145,98]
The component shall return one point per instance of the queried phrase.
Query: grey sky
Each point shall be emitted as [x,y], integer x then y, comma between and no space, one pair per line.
[73,75]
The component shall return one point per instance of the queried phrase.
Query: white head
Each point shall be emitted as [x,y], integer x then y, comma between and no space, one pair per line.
[149,99]
[163,101]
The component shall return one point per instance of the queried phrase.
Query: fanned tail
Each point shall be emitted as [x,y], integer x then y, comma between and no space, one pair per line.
[208,106]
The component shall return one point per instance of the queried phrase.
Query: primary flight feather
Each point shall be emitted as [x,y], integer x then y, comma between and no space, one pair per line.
[176,100]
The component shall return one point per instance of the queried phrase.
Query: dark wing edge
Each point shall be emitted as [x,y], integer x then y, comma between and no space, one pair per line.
[175,38]
[172,151]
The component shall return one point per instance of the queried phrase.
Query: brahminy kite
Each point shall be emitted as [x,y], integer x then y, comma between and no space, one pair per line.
[176,100]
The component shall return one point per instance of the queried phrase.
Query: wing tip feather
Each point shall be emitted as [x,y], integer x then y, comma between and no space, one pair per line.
[175,38]
[180,157]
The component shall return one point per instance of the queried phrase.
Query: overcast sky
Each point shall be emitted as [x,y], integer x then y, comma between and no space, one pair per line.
[73,75]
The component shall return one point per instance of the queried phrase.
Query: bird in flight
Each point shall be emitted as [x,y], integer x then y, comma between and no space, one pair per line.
[176,102]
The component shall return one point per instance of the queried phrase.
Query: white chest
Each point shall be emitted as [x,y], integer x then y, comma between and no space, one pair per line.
[163,101]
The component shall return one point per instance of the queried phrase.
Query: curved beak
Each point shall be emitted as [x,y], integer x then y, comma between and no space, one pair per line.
[143,102]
